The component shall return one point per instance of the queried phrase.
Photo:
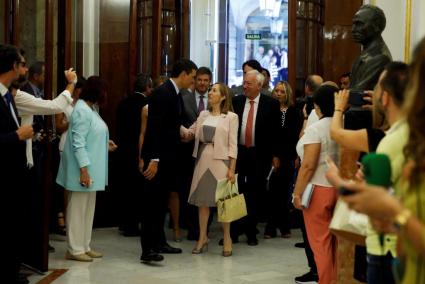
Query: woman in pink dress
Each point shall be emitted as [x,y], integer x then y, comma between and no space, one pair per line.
[215,150]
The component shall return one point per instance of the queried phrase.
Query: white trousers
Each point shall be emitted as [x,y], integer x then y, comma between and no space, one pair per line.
[79,221]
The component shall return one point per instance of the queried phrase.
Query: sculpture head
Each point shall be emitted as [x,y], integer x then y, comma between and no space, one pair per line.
[368,23]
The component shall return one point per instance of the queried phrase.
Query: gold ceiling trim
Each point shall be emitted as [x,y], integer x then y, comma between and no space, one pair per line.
[407,30]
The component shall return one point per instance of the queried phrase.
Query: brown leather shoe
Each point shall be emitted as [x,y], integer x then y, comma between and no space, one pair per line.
[78,257]
[94,254]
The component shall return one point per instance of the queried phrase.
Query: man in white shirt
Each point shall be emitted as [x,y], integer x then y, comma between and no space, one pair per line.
[28,105]
[258,150]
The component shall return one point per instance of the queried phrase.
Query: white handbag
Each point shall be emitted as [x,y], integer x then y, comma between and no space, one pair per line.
[349,224]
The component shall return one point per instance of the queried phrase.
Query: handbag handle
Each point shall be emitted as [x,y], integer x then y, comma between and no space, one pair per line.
[229,189]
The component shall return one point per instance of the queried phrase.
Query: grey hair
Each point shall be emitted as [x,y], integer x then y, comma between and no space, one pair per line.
[258,76]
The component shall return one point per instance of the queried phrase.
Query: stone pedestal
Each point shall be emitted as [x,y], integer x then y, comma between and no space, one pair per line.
[345,262]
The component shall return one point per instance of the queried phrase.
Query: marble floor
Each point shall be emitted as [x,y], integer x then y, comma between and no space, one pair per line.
[272,261]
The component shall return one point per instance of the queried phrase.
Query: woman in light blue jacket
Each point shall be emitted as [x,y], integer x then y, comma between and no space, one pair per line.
[83,168]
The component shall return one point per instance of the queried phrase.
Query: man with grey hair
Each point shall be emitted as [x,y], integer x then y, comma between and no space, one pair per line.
[258,148]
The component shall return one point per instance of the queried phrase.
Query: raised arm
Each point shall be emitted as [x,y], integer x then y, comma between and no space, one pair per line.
[30,105]
[352,139]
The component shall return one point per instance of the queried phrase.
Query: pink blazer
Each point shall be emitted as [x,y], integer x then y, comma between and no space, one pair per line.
[225,138]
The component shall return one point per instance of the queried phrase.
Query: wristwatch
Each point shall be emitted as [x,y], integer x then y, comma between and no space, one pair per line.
[401,219]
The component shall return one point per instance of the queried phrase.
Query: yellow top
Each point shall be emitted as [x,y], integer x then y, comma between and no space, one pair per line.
[392,145]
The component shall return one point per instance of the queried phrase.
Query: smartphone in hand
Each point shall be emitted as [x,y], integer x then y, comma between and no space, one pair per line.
[356,98]
[345,191]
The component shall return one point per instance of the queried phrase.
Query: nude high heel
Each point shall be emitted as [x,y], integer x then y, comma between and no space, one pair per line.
[203,248]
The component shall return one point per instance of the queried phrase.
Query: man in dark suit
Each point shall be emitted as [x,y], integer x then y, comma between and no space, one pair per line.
[160,156]
[259,118]
[13,162]
[194,103]
[128,132]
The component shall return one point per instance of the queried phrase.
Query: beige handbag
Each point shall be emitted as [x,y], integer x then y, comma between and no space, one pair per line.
[348,224]
[232,206]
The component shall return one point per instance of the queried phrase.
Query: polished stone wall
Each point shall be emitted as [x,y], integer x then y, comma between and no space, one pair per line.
[32,28]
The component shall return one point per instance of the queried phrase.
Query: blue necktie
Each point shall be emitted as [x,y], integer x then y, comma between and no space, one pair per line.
[8,98]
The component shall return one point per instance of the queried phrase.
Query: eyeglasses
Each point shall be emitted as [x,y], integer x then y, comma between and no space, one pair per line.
[22,63]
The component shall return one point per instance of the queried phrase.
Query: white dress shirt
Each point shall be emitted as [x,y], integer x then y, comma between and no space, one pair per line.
[28,106]
[198,99]
[3,91]
[245,118]
[175,86]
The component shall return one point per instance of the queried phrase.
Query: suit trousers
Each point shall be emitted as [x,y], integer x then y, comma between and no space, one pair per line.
[12,223]
[307,249]
[79,221]
[129,197]
[154,207]
[317,218]
[252,173]
[277,209]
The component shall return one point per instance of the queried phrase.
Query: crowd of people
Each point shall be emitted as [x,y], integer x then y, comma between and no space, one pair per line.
[178,137]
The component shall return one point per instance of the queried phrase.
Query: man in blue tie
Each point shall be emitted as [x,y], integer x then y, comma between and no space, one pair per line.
[12,163]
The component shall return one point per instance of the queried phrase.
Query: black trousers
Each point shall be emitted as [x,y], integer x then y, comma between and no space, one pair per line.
[277,209]
[154,206]
[252,172]
[13,217]
[308,252]
[188,213]
[130,195]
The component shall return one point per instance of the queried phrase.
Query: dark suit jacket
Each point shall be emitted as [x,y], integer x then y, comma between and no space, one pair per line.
[166,115]
[267,138]
[128,129]
[190,108]
[12,151]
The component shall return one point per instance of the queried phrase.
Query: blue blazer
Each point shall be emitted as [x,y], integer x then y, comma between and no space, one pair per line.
[86,145]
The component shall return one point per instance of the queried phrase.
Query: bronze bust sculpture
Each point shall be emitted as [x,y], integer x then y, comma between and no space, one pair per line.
[368,24]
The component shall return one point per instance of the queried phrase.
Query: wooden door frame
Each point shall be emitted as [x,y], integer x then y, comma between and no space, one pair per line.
[11,25]
[223,49]
[292,33]
[156,37]
[133,42]
[64,55]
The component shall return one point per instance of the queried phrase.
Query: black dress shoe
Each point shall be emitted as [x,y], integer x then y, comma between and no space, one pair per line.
[299,245]
[252,241]
[131,233]
[168,249]
[152,256]
[22,278]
